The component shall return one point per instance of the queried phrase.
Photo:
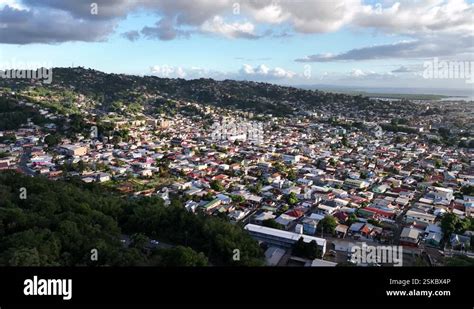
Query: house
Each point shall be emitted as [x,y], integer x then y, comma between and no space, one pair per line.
[310,226]
[273,256]
[280,238]
[75,150]
[292,159]
[433,239]
[103,177]
[442,195]
[212,205]
[285,220]
[191,206]
[410,236]
[341,230]
[326,210]
[266,215]
[224,198]
[460,242]
[360,229]
[419,217]
[237,215]
[355,183]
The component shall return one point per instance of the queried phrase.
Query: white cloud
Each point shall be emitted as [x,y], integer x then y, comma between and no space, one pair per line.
[217,25]
[419,17]
[263,72]
[168,71]
[247,72]
[12,3]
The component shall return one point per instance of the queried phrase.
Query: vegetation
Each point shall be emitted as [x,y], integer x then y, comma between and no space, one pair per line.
[273,224]
[59,223]
[328,224]
[13,116]
[450,223]
[460,260]
[307,250]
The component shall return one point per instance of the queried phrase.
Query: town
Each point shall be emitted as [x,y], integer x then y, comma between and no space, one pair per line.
[316,178]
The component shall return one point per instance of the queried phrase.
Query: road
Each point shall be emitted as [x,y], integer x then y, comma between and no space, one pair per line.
[23,161]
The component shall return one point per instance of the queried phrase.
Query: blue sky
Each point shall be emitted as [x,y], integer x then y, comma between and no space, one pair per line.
[340,42]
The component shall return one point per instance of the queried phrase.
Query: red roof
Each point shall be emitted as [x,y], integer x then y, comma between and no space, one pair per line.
[341,216]
[296,213]
[379,212]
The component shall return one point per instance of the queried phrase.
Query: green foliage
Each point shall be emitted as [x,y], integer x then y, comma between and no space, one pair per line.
[292,199]
[237,198]
[467,190]
[272,224]
[217,185]
[179,256]
[307,250]
[461,260]
[214,237]
[291,175]
[13,116]
[351,219]
[60,223]
[451,223]
[52,140]
[328,224]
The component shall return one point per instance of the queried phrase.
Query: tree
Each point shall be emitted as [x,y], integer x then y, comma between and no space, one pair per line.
[52,140]
[257,188]
[467,190]
[291,175]
[448,224]
[272,224]
[237,198]
[180,256]
[217,185]
[63,221]
[351,219]
[139,241]
[344,141]
[292,199]
[451,223]
[306,250]
[328,224]
[25,257]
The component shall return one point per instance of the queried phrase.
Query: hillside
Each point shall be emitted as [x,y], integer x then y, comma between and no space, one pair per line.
[104,90]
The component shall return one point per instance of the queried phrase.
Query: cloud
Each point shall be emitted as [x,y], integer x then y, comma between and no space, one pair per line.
[422,48]
[11,3]
[368,75]
[165,29]
[305,16]
[22,26]
[131,35]
[436,28]
[432,27]
[168,71]
[246,72]
[406,69]
[263,72]
[230,30]
[419,17]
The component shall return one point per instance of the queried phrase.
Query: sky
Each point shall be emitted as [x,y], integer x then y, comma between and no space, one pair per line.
[403,44]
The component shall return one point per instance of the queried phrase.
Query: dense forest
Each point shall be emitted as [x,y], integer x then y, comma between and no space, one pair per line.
[46,223]
[13,116]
